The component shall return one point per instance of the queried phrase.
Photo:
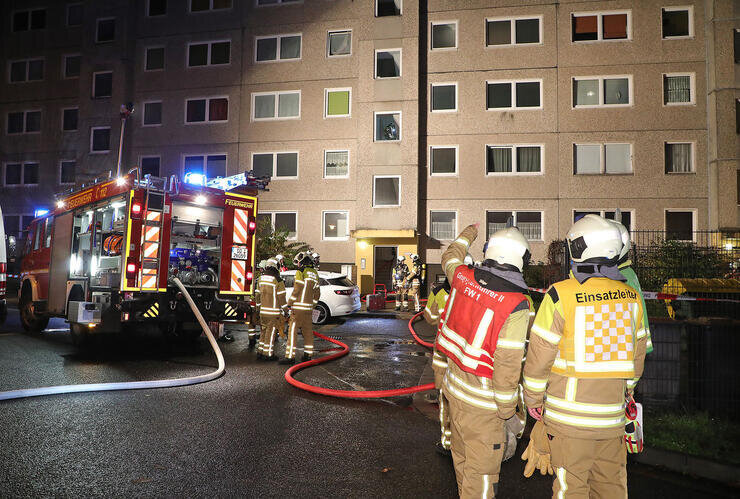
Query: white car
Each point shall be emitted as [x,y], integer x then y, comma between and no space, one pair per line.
[339,295]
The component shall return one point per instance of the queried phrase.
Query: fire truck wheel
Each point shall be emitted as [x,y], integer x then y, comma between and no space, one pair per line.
[30,321]
[80,334]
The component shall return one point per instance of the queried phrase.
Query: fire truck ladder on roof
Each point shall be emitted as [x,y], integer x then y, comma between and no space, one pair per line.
[151,234]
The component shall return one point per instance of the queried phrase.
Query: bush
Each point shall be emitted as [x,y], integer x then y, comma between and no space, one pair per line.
[271,242]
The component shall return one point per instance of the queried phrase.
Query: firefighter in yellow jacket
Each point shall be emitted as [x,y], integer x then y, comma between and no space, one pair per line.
[305,295]
[585,355]
[272,307]
[414,279]
[483,338]
[400,287]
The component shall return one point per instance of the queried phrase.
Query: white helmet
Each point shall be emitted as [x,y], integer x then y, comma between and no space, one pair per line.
[626,242]
[468,260]
[271,262]
[400,258]
[594,239]
[414,256]
[315,256]
[508,246]
[298,257]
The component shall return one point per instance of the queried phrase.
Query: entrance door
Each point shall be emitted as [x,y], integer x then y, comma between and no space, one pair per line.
[385,257]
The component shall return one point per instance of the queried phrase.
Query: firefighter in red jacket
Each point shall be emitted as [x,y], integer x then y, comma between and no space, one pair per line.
[486,323]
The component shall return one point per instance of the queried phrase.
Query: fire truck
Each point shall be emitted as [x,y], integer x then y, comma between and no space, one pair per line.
[105,257]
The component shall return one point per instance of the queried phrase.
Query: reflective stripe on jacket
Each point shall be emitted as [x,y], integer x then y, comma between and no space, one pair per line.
[305,290]
[629,273]
[271,295]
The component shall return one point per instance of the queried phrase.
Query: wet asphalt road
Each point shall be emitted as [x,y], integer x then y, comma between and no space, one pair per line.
[247,434]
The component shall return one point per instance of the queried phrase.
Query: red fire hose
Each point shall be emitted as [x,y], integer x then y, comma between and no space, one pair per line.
[365,394]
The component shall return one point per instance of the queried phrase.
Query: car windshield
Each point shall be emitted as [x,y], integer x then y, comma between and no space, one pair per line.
[341,281]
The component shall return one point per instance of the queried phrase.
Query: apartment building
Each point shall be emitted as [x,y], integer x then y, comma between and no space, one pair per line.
[386,125]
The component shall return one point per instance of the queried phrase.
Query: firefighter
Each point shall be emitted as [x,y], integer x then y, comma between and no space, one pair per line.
[414,279]
[272,308]
[280,259]
[400,271]
[304,297]
[485,325]
[586,353]
[315,257]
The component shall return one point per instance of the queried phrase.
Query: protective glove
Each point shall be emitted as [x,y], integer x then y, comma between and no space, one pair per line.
[536,413]
[514,424]
[537,453]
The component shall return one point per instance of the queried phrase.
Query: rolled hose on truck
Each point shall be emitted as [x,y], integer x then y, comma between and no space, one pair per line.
[365,394]
[134,385]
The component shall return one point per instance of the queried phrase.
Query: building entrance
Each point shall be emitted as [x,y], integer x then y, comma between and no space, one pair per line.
[385,257]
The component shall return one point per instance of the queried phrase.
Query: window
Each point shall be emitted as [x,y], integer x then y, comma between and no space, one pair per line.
[529,223]
[156,8]
[28,70]
[11,224]
[626,217]
[601,26]
[386,191]
[149,165]
[276,105]
[736,42]
[206,110]
[154,59]
[24,122]
[516,31]
[339,43]
[679,157]
[283,221]
[444,35]
[106,30]
[30,173]
[388,63]
[444,97]
[276,165]
[737,116]
[596,159]
[102,84]
[209,53]
[24,20]
[152,113]
[100,140]
[679,225]
[513,159]
[513,94]
[70,117]
[338,102]
[74,15]
[335,225]
[678,89]
[275,2]
[13,173]
[206,5]
[67,171]
[388,126]
[442,225]
[678,22]
[443,160]
[72,66]
[336,164]
[211,165]
[385,8]
[602,91]
[277,48]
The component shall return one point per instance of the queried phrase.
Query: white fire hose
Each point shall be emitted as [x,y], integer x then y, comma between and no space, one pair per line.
[134,385]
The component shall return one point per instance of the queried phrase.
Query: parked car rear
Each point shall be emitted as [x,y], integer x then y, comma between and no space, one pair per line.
[339,295]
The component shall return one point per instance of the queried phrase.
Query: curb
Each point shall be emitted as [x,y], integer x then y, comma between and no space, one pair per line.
[689,465]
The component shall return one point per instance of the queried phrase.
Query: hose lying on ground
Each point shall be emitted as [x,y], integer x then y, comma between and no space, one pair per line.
[134,385]
[365,394]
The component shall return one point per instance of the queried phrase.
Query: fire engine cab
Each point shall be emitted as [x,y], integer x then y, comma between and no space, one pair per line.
[106,256]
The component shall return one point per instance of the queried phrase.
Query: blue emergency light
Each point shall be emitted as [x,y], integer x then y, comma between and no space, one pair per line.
[195,178]
[40,212]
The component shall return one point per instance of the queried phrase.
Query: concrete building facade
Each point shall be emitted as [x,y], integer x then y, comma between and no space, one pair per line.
[386,125]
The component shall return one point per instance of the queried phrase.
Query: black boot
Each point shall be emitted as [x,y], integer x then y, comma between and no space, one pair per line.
[252,343]
[287,362]
[271,357]
[441,450]
[260,356]
[227,338]
[306,357]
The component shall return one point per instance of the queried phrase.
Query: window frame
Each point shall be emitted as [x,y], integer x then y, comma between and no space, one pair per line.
[514,213]
[513,20]
[60,170]
[600,25]
[429,228]
[272,214]
[273,175]
[400,195]
[328,42]
[95,84]
[92,134]
[205,156]
[276,94]
[97,29]
[28,66]
[431,96]
[146,58]
[439,23]
[456,147]
[147,8]
[210,43]
[674,8]
[693,156]
[208,120]
[324,237]
[602,158]
[28,24]
[278,3]
[147,156]
[375,127]
[277,49]
[64,66]
[5,174]
[515,160]
[375,8]
[692,89]
[332,177]
[210,8]
[601,80]
[23,172]
[143,112]
[602,213]
[25,121]
[78,119]
[375,64]
[694,221]
[66,15]
[513,106]
[326,102]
